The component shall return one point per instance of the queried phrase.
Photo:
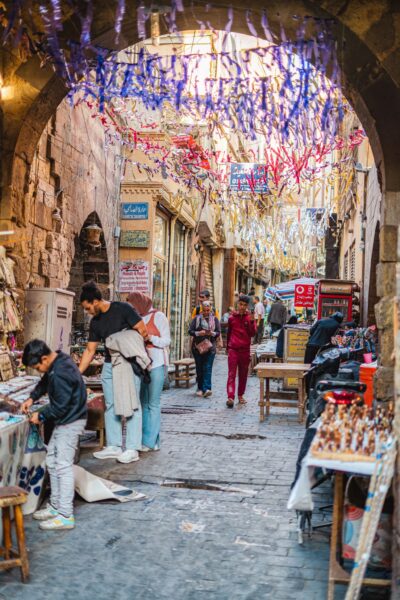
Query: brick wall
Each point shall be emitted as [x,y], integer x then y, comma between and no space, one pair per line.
[75,176]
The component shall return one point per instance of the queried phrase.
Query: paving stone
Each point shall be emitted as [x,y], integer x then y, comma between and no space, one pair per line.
[186,543]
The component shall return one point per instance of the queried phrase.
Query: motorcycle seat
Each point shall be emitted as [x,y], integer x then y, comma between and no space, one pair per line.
[353,386]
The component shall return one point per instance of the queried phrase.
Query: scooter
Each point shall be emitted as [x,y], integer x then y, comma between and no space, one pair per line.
[332,364]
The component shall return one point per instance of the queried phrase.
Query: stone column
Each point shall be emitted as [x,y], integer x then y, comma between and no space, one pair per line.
[387,381]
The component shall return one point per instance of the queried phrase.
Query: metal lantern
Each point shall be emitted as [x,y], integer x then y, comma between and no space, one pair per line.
[93,233]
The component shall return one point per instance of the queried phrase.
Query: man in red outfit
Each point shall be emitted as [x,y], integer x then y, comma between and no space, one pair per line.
[241,328]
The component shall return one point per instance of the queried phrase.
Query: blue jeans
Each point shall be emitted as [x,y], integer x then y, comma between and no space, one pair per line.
[204,365]
[150,397]
[114,422]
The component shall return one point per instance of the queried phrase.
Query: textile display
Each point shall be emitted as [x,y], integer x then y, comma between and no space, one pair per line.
[33,469]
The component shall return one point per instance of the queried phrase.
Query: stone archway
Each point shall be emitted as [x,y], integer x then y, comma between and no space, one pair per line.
[368,42]
[90,263]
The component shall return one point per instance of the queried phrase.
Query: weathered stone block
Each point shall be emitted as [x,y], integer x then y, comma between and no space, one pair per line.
[386,347]
[51,241]
[388,243]
[384,383]
[384,312]
[386,279]
[42,216]
[391,208]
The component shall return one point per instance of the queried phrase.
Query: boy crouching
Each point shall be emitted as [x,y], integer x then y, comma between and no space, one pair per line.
[65,387]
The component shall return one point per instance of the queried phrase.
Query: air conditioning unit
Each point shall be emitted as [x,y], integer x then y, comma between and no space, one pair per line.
[48,317]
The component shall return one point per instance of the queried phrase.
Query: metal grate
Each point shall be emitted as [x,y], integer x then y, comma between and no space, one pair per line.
[62,312]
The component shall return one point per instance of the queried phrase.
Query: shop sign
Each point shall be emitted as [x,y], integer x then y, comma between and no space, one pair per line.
[336,288]
[135,239]
[249,177]
[134,276]
[135,210]
[304,295]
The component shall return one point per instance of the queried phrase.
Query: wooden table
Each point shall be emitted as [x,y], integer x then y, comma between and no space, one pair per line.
[267,371]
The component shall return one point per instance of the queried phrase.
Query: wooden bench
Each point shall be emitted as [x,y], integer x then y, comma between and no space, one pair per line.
[185,370]
[13,497]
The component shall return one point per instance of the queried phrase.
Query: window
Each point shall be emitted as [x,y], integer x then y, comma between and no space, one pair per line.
[353,261]
[346,266]
[160,262]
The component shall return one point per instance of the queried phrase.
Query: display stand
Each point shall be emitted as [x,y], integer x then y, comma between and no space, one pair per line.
[337,574]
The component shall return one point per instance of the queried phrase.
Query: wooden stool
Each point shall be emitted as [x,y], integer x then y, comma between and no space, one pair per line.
[189,371]
[13,496]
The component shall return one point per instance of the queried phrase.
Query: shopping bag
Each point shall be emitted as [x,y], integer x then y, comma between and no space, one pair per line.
[300,497]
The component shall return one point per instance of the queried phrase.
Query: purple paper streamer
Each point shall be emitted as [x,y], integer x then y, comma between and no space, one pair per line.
[179,5]
[119,18]
[87,24]
[250,25]
[141,21]
[264,24]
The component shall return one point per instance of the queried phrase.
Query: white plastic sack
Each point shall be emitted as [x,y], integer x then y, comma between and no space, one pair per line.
[300,497]
[92,488]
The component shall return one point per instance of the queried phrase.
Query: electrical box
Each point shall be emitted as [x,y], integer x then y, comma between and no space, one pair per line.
[48,317]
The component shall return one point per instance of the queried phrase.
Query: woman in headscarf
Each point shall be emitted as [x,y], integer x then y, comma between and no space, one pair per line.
[204,329]
[157,342]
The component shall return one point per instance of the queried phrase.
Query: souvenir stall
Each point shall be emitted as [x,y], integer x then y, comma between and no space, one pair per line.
[354,445]
[92,378]
[22,453]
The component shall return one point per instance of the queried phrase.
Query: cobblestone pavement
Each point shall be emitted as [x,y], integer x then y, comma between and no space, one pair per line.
[188,543]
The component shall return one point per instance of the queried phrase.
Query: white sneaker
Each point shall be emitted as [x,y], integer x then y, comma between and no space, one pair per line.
[147,449]
[108,452]
[207,393]
[46,513]
[128,456]
[199,393]
[58,522]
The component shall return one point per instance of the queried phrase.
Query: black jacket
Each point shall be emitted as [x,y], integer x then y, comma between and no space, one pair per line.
[322,331]
[66,389]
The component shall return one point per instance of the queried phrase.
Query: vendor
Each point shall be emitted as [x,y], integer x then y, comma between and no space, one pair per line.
[320,334]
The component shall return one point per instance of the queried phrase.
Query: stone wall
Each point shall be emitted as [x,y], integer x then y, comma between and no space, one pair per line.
[72,176]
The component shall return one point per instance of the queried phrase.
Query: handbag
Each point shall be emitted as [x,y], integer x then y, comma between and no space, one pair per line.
[204,346]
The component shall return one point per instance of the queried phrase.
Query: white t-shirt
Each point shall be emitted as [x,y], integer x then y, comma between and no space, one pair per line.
[259,310]
[159,354]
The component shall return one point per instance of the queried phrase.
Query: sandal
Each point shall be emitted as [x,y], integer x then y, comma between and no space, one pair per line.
[242,400]
[230,403]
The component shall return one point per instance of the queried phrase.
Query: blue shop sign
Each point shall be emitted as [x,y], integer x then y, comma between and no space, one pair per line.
[135,211]
[249,177]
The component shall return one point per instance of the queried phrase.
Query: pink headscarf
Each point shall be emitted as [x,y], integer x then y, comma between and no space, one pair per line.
[141,303]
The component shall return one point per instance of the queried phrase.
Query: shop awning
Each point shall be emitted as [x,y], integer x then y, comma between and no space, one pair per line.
[286,289]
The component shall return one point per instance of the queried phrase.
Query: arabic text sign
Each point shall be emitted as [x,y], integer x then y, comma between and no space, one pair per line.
[249,177]
[134,239]
[304,295]
[134,276]
[135,210]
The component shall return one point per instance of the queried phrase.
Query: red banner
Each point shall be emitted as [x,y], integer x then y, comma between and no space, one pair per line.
[304,295]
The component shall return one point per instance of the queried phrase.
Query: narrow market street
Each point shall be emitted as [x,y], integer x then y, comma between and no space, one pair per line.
[185,542]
